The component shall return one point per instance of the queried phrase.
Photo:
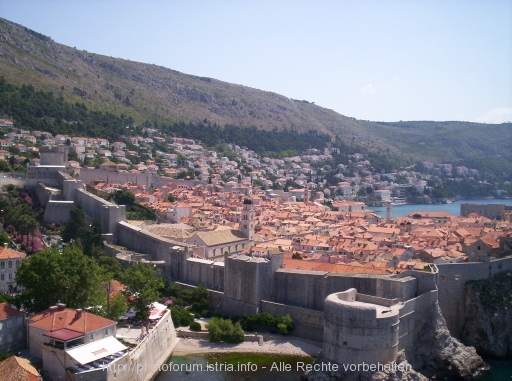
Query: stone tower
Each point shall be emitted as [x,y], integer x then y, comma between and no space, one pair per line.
[247,222]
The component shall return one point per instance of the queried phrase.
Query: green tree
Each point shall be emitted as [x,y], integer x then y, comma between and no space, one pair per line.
[118,306]
[75,228]
[4,238]
[48,277]
[123,197]
[142,288]
[93,241]
[224,330]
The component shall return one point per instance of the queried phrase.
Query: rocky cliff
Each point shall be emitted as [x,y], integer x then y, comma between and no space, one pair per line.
[488,324]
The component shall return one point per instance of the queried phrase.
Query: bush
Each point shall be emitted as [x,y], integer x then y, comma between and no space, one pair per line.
[195,326]
[224,330]
[181,318]
[266,321]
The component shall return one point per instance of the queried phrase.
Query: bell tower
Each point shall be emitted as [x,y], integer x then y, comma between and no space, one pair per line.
[248,219]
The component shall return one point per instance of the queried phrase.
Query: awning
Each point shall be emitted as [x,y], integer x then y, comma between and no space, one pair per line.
[157,311]
[96,350]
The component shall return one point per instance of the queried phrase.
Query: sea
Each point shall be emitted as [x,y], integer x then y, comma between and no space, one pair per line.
[500,369]
[453,208]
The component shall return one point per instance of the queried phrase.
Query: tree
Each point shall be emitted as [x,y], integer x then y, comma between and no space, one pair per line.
[93,241]
[224,330]
[142,288]
[123,197]
[49,277]
[118,306]
[75,228]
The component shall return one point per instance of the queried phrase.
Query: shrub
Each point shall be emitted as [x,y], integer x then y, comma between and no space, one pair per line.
[224,330]
[195,326]
[181,317]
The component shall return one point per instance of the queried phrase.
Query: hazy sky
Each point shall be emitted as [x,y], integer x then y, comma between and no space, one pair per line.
[383,60]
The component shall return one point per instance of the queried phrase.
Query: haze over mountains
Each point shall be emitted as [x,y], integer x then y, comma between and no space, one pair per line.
[146,91]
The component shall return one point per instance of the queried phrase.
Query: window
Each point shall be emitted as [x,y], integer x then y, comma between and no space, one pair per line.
[20,335]
[10,264]
[10,276]
[17,263]
[20,321]
[9,324]
[2,277]
[91,336]
[9,338]
[2,264]
[106,332]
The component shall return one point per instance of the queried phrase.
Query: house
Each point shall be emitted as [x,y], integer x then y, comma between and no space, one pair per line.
[62,336]
[12,329]
[17,368]
[10,260]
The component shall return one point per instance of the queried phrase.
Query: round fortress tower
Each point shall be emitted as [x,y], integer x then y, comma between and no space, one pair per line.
[357,332]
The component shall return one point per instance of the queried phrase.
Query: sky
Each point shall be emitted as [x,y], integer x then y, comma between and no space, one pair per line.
[382,60]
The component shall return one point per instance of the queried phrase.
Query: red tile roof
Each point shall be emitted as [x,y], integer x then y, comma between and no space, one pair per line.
[18,369]
[6,253]
[70,319]
[7,311]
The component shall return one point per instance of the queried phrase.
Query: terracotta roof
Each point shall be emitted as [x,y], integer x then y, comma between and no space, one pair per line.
[18,369]
[6,253]
[220,237]
[70,319]
[7,311]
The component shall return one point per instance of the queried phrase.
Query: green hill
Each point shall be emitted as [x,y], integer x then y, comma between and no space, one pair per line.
[147,93]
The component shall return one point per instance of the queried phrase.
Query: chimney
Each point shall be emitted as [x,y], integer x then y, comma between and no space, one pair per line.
[61,306]
[78,312]
[5,245]
[53,309]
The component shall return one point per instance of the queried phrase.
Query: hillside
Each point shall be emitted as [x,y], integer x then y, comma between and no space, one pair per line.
[150,92]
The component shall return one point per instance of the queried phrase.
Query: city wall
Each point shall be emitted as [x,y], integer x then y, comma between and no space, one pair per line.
[308,289]
[206,272]
[308,324]
[173,253]
[152,352]
[57,212]
[452,281]
[147,178]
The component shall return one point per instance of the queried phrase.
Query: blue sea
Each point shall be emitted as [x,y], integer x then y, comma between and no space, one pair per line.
[453,208]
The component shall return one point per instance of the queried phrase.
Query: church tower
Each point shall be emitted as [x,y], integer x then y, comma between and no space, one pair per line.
[248,219]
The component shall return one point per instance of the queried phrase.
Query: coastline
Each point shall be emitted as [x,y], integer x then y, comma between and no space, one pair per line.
[292,346]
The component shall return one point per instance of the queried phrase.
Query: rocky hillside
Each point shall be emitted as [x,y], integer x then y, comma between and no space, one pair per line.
[147,92]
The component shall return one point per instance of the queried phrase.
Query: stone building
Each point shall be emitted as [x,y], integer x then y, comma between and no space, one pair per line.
[12,328]
[53,333]
[10,260]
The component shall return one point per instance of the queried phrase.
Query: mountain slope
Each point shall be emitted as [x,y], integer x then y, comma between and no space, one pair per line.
[147,92]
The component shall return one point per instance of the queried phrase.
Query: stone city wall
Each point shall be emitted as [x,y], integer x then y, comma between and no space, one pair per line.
[452,280]
[308,324]
[151,352]
[356,332]
[172,253]
[206,272]
[308,289]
